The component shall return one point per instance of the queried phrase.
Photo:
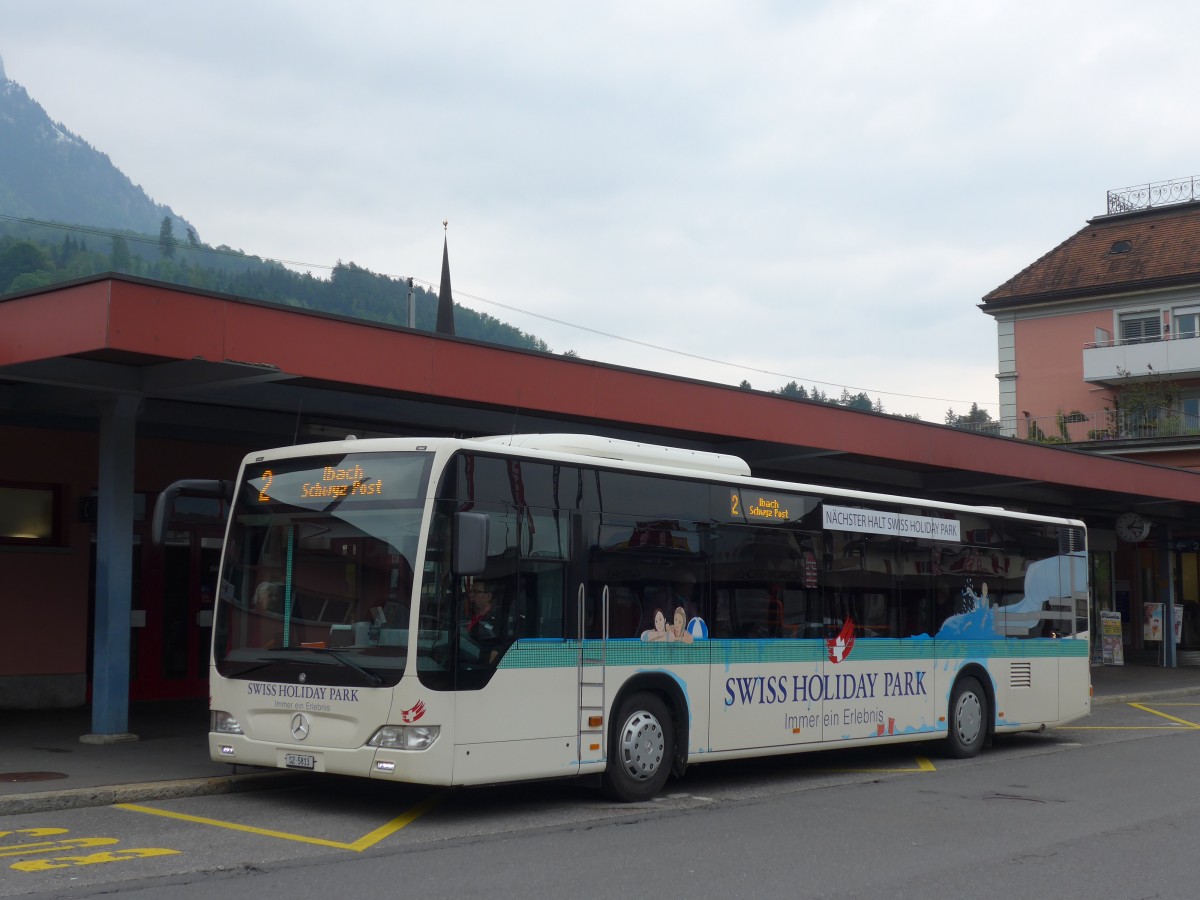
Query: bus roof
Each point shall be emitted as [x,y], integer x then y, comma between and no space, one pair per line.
[625,451]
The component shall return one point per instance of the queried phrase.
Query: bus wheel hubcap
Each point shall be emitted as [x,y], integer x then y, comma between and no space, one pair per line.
[642,746]
[968,718]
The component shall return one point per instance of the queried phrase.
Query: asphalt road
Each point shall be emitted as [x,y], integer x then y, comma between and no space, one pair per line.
[1109,807]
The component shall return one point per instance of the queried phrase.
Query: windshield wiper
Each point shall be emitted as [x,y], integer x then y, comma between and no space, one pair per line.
[373,679]
[252,668]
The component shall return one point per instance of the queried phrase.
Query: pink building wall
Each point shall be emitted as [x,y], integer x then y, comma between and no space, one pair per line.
[1049,360]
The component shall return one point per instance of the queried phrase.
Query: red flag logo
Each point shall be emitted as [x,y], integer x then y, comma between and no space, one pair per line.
[840,646]
[411,715]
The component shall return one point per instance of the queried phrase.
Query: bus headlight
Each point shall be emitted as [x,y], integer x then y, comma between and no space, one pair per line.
[222,722]
[405,737]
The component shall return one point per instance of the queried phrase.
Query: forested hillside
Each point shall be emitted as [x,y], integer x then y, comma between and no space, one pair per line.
[35,254]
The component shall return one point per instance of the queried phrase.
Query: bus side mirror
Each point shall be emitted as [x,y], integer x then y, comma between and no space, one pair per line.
[164,507]
[470,543]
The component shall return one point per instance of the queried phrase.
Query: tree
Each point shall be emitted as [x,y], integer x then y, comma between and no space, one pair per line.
[1145,404]
[857,401]
[21,258]
[975,420]
[119,258]
[166,238]
[30,281]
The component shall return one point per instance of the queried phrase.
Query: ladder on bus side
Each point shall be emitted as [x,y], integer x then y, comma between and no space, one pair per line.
[593,664]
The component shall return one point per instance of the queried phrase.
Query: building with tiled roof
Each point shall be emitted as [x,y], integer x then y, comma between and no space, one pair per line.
[1099,339]
[1099,349]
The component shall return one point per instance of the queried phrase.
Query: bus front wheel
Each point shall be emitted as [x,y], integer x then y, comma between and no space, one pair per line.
[968,718]
[641,748]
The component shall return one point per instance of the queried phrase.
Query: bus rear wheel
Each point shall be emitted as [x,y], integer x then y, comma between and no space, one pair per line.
[968,718]
[641,749]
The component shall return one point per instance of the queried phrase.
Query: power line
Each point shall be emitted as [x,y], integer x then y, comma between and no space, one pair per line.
[702,358]
[429,285]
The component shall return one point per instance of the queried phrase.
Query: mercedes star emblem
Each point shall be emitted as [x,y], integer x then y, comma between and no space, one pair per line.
[299,726]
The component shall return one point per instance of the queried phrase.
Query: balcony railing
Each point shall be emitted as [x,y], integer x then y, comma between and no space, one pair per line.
[1159,193]
[1128,342]
[1174,355]
[1082,428]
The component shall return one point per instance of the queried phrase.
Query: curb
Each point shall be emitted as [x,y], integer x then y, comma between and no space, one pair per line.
[107,795]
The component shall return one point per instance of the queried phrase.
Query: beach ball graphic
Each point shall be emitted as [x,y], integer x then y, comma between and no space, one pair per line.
[697,629]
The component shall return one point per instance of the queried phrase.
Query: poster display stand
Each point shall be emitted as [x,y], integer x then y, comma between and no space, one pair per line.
[1112,650]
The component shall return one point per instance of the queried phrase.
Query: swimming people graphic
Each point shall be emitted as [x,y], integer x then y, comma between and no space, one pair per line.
[678,630]
[1048,592]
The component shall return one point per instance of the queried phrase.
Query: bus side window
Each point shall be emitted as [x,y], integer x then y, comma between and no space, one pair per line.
[774,625]
[538,608]
[624,613]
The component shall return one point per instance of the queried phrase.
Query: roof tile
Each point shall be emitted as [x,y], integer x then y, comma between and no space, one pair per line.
[1164,247]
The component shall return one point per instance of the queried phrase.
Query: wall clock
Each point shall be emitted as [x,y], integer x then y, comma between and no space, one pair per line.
[1132,527]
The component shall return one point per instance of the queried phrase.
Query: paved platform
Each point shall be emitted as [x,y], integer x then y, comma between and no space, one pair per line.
[45,766]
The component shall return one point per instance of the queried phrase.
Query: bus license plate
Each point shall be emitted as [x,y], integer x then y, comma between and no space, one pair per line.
[299,761]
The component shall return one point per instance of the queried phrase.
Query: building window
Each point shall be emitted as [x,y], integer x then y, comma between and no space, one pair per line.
[1137,328]
[1187,322]
[1189,407]
[29,515]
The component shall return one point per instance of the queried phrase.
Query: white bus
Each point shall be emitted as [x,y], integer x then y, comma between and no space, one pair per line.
[461,612]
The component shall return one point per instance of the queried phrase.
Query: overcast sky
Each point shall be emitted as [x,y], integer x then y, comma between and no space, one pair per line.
[760,191]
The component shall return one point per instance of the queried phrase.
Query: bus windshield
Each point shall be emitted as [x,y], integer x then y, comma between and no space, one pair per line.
[318,572]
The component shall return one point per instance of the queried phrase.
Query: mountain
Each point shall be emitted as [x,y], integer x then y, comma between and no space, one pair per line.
[48,172]
[67,212]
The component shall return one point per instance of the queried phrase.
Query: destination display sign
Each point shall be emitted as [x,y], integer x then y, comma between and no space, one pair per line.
[319,482]
[768,507]
[876,521]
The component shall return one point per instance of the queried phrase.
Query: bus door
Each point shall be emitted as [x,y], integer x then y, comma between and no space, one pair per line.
[516,656]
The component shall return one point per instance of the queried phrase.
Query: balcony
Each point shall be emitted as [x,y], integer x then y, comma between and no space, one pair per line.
[1112,362]
[1085,428]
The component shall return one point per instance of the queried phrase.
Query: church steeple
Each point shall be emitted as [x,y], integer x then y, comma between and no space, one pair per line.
[445,314]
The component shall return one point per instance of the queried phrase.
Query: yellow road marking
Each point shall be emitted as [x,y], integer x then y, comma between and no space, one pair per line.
[923,765]
[1121,727]
[1164,715]
[370,840]
[91,859]
[365,842]
[55,846]
[34,832]
[66,862]
[1179,723]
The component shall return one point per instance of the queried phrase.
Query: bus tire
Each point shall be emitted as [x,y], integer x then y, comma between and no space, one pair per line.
[641,749]
[967,724]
